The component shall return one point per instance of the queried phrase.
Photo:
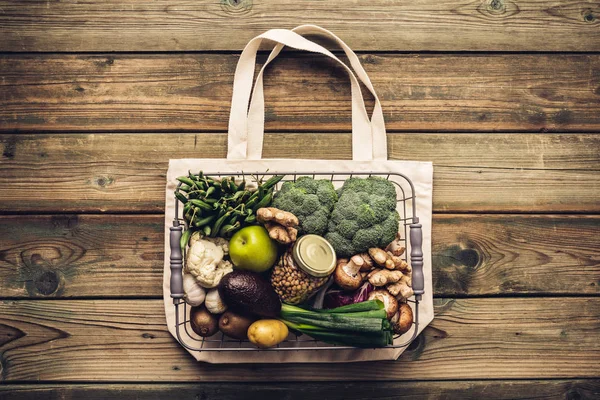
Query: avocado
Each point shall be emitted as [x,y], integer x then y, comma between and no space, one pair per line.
[249,293]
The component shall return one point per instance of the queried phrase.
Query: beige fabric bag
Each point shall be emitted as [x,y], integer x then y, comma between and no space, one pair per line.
[369,154]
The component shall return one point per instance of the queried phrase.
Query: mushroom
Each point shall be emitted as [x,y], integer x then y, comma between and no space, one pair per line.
[390,303]
[403,319]
[368,262]
[347,273]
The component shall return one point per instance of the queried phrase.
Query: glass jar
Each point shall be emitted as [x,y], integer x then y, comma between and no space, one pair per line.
[303,269]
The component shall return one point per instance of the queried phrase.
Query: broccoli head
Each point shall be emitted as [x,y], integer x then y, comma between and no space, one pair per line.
[311,200]
[365,216]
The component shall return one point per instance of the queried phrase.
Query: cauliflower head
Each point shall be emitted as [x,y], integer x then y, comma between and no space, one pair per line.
[205,261]
[310,200]
[365,216]
[218,241]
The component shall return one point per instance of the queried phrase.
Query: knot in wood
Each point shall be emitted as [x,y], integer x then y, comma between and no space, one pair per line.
[236,6]
[104,181]
[573,394]
[47,282]
[497,7]
[588,16]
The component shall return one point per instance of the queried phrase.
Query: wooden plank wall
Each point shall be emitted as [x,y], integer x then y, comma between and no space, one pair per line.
[502,95]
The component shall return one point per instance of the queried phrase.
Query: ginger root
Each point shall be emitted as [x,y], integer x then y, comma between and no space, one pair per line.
[387,259]
[272,214]
[400,289]
[280,224]
[395,247]
[381,277]
[398,262]
[280,233]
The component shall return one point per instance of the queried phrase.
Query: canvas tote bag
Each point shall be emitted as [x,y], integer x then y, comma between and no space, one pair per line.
[369,154]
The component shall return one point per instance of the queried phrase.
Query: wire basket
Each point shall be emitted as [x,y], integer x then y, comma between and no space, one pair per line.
[411,236]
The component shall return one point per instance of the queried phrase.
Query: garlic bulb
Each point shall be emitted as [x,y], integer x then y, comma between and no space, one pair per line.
[194,293]
[213,303]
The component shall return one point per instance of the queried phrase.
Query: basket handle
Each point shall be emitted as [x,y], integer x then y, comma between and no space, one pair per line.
[416,259]
[241,122]
[176,263]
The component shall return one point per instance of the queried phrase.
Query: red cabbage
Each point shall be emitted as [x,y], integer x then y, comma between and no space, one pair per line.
[337,298]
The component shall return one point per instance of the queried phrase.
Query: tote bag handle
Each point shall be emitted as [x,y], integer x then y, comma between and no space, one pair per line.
[246,130]
[257,112]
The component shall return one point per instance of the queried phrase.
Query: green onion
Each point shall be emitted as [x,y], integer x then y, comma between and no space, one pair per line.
[361,325]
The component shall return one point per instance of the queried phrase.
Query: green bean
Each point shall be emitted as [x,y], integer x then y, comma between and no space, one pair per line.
[218,223]
[250,219]
[210,191]
[265,201]
[181,197]
[185,237]
[186,180]
[229,228]
[225,184]
[234,188]
[202,205]
[233,219]
[187,207]
[242,185]
[204,221]
[272,181]
[211,201]
[251,202]
[206,230]
[185,188]
[238,195]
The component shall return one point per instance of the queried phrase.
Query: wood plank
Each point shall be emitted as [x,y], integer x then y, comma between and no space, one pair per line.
[192,92]
[64,256]
[472,172]
[81,255]
[127,340]
[582,389]
[502,254]
[121,25]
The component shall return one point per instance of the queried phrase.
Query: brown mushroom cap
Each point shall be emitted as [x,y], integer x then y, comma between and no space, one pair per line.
[405,319]
[389,302]
[347,275]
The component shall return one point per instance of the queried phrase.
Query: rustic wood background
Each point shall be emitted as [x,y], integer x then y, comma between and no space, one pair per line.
[502,95]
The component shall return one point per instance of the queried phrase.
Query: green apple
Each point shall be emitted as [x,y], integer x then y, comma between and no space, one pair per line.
[252,249]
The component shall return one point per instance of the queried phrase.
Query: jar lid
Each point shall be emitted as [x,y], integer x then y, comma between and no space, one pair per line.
[314,255]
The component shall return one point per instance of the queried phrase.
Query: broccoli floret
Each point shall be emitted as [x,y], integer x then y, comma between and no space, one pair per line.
[347,228]
[340,244]
[365,216]
[310,200]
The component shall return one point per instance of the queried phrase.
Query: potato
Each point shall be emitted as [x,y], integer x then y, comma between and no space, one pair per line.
[267,333]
